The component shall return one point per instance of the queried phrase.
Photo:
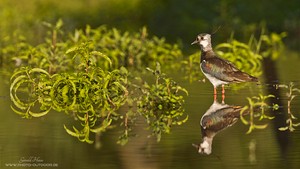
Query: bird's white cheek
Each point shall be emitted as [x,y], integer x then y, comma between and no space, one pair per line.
[204,43]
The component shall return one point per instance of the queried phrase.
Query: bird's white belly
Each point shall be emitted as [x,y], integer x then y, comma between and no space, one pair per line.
[215,82]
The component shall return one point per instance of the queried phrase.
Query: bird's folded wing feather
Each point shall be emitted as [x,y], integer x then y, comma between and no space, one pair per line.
[223,70]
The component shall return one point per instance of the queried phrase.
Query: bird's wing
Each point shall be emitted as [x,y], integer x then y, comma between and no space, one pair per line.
[224,70]
[222,118]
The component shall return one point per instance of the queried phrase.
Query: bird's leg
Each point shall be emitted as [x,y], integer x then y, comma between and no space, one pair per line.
[223,94]
[223,90]
[215,91]
[223,98]
[215,94]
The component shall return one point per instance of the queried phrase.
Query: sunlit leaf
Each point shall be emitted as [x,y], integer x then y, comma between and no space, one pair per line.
[283,128]
[242,115]
[40,114]
[296,124]
[261,126]
[38,70]
[97,53]
[74,134]
[23,114]
[103,127]
[59,24]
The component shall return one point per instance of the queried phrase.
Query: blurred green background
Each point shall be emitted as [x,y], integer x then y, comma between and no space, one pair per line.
[174,19]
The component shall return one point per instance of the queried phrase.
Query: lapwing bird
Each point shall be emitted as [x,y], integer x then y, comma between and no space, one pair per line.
[217,70]
[217,118]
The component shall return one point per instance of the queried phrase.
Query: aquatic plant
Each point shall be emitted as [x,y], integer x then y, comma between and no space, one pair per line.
[62,51]
[291,94]
[269,45]
[242,55]
[129,49]
[161,104]
[256,107]
[191,67]
[98,93]
[93,98]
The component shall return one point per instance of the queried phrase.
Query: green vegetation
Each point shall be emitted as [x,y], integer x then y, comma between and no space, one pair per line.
[84,76]
[161,105]
[91,73]
[106,48]
[256,107]
[241,55]
[93,98]
[291,94]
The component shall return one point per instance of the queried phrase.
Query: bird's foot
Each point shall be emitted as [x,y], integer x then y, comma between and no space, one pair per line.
[223,98]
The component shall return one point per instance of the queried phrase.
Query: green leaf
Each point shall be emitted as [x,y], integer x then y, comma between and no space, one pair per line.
[71,50]
[21,71]
[59,24]
[103,127]
[13,91]
[40,114]
[260,126]
[296,124]
[97,53]
[74,134]
[244,121]
[283,128]
[23,114]
[183,121]
[39,70]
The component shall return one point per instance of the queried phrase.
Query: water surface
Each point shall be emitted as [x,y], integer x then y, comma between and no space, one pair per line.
[45,138]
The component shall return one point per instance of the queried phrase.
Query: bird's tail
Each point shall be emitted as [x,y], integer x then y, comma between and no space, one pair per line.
[245,77]
[253,79]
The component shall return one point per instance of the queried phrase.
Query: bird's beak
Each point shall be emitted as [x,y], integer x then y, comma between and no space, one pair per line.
[196,41]
[196,146]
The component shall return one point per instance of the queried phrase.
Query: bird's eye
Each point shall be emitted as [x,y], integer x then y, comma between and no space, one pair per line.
[202,38]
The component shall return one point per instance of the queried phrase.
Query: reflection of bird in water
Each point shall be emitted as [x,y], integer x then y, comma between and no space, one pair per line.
[217,70]
[218,117]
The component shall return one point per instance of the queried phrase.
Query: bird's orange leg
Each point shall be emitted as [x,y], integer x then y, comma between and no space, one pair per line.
[215,93]
[223,90]
[223,93]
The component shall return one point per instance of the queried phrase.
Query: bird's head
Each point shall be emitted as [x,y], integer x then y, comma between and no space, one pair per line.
[204,40]
[205,146]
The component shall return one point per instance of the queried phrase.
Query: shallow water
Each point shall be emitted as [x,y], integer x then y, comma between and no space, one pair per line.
[44,141]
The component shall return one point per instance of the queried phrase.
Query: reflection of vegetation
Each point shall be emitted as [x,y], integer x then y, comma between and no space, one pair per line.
[92,97]
[291,95]
[256,108]
[95,98]
[99,83]
[161,105]
[71,75]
